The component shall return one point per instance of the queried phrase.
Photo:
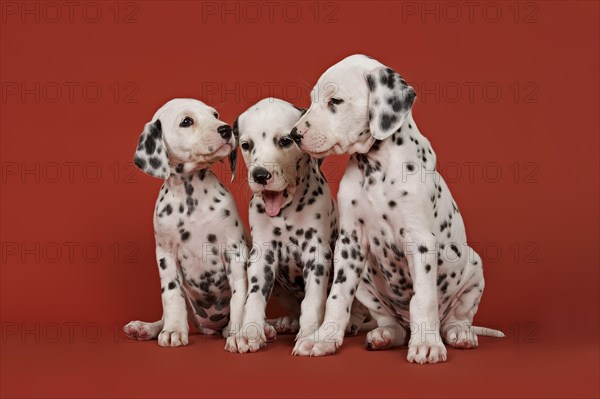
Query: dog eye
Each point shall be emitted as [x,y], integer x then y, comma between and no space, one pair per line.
[335,101]
[186,122]
[216,114]
[245,146]
[285,141]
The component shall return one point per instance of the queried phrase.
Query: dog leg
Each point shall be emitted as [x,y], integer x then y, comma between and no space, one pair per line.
[175,329]
[236,260]
[317,267]
[261,276]
[350,259]
[425,345]
[457,327]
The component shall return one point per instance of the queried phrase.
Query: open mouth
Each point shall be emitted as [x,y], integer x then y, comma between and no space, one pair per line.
[321,154]
[274,201]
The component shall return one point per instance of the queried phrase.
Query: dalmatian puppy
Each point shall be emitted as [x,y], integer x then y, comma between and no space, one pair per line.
[201,245]
[402,248]
[293,220]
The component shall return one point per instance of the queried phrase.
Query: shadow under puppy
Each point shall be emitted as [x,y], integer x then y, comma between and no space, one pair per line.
[294,224]
[201,245]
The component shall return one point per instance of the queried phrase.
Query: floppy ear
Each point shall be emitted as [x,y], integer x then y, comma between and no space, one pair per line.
[390,101]
[233,154]
[151,154]
[302,111]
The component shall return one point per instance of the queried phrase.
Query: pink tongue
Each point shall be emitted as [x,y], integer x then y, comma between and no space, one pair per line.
[273,201]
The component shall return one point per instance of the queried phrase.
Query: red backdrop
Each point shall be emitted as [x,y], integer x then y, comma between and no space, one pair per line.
[508,94]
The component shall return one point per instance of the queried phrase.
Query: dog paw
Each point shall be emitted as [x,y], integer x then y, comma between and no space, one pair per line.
[270,333]
[231,344]
[324,348]
[141,331]
[252,339]
[386,337]
[426,352]
[379,339]
[460,336]
[310,346]
[173,337]
[303,346]
[287,325]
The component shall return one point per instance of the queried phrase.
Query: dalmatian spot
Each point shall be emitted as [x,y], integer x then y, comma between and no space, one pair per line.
[340,277]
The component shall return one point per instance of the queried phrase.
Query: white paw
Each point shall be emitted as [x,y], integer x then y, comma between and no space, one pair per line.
[303,346]
[379,339]
[320,343]
[173,337]
[324,348]
[462,337]
[270,332]
[386,337]
[287,325]
[141,331]
[252,338]
[231,344]
[430,351]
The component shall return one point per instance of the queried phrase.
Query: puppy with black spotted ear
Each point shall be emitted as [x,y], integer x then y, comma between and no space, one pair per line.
[415,271]
[293,220]
[201,244]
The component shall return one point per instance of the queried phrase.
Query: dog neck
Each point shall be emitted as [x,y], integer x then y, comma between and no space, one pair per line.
[183,174]
[405,146]
[305,175]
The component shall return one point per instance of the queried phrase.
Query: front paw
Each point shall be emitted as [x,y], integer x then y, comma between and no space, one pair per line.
[253,336]
[173,336]
[231,344]
[321,343]
[428,351]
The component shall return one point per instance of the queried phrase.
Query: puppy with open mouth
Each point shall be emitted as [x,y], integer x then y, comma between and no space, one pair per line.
[293,220]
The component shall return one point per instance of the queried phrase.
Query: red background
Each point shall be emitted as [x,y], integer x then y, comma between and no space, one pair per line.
[536,225]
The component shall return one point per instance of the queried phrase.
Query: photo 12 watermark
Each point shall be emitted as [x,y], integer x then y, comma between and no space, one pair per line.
[69,92]
[271,12]
[69,12]
[470,12]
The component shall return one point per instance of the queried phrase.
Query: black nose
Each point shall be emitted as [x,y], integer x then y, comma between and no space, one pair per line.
[296,136]
[261,175]
[224,131]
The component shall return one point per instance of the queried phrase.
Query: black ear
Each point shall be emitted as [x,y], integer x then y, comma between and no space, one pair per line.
[390,101]
[302,110]
[151,154]
[233,154]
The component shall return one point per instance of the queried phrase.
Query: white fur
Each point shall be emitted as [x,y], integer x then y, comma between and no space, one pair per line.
[201,245]
[396,214]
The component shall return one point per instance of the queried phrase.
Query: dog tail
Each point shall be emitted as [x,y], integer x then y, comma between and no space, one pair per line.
[488,332]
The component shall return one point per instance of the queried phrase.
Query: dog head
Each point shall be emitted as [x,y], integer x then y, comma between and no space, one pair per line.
[269,152]
[183,135]
[355,102]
